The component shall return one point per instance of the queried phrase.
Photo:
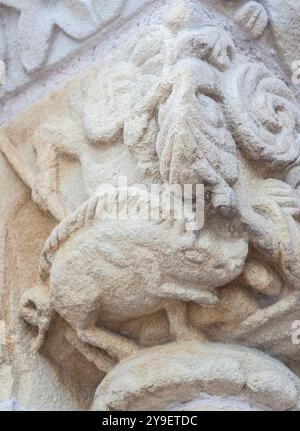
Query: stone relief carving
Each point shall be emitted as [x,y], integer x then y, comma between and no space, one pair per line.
[43,33]
[38,19]
[172,105]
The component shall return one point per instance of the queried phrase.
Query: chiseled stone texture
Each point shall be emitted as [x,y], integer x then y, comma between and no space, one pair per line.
[108,313]
[43,43]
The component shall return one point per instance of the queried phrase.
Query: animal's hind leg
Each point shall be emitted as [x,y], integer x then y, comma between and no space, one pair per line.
[115,345]
[102,361]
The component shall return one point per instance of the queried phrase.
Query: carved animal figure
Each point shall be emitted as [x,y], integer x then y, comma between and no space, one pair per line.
[102,271]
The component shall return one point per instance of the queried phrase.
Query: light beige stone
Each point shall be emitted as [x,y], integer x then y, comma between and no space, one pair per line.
[146,313]
[252,17]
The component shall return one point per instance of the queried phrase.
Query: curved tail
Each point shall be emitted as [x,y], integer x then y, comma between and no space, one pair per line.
[35,309]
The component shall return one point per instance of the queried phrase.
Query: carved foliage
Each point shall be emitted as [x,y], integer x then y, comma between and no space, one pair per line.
[78,19]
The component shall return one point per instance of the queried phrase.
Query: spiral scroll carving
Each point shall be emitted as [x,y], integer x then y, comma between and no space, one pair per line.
[262,115]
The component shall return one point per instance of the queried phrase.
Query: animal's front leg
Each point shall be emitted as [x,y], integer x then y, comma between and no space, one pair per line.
[180,329]
[102,361]
[178,296]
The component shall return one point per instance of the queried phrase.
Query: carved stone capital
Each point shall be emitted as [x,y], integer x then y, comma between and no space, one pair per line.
[150,239]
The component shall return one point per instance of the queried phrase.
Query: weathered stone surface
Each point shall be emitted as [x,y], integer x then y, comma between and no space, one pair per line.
[191,369]
[143,309]
[42,44]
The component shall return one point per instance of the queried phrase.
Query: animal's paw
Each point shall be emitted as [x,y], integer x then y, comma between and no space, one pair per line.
[284,195]
[224,200]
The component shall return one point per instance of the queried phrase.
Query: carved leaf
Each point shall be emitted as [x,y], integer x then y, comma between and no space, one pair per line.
[208,43]
[17,4]
[76,18]
[34,38]
[109,11]
[36,25]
